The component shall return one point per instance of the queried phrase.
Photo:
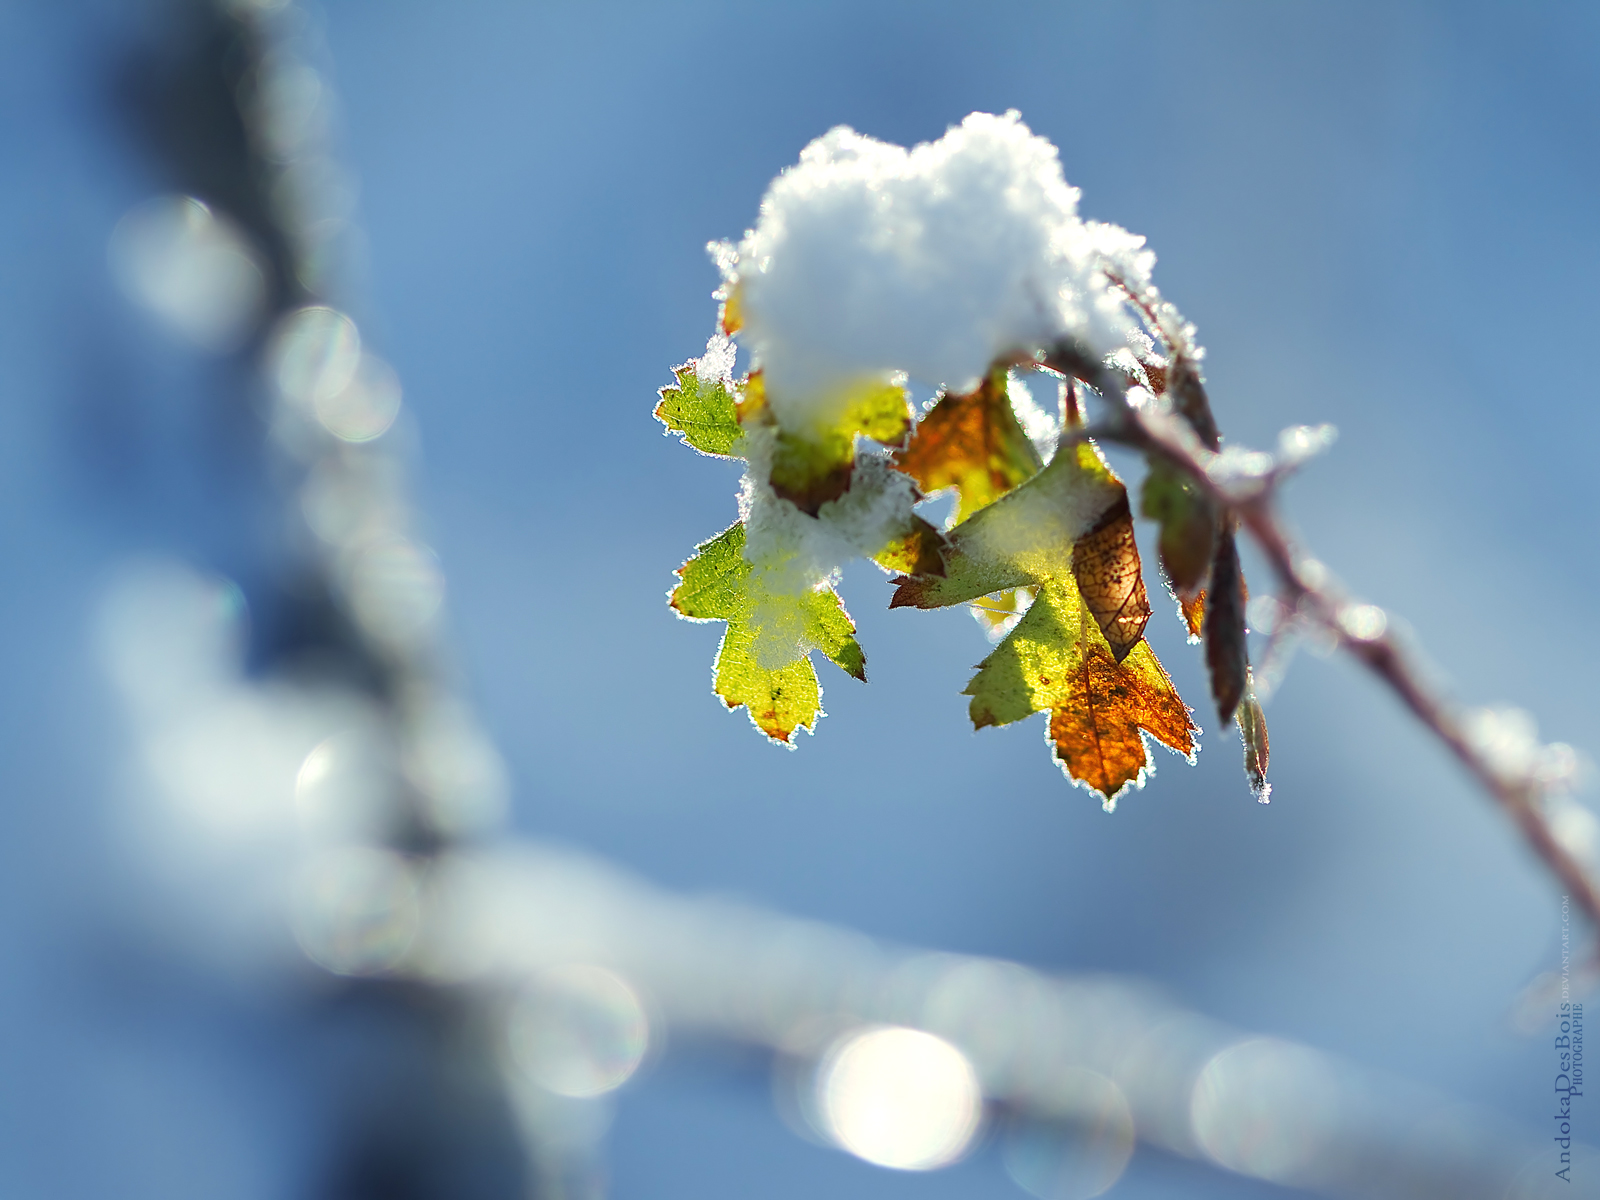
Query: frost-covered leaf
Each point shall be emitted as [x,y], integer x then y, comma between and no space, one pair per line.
[973,443]
[1224,630]
[1056,660]
[703,411]
[1105,565]
[1188,526]
[1069,523]
[1253,732]
[1194,614]
[919,551]
[813,466]
[757,664]
[1078,652]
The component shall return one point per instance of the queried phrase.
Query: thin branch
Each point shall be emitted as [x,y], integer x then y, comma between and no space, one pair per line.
[1308,589]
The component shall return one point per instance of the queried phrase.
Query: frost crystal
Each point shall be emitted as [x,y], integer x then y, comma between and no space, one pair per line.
[936,261]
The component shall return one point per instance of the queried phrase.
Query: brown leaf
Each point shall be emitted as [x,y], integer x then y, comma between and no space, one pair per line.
[1226,653]
[972,443]
[1105,563]
[1190,401]
[1096,734]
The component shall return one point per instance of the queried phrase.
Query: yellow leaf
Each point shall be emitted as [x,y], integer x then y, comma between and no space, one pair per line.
[814,465]
[763,662]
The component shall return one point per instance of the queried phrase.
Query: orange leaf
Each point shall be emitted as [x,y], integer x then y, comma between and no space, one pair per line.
[1057,660]
[1097,733]
[1194,613]
[972,443]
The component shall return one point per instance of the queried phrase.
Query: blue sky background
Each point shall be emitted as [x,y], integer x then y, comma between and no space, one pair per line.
[1380,215]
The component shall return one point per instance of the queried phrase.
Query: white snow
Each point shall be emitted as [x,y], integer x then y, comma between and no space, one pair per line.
[1042,425]
[870,258]
[716,364]
[793,553]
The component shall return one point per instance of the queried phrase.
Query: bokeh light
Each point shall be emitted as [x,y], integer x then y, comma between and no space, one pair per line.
[899,1098]
[193,270]
[345,785]
[366,406]
[395,588]
[1266,1107]
[355,909]
[579,1031]
[314,354]
[1076,1158]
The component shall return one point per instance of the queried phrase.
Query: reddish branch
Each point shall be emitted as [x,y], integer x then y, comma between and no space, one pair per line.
[1307,590]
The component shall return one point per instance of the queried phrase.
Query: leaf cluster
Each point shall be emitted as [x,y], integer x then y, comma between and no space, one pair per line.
[1044,552]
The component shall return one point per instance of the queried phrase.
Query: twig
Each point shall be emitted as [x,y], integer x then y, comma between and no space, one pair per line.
[1308,589]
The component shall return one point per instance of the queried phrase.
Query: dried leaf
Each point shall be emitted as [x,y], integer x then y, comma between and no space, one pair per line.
[972,443]
[1105,564]
[754,669]
[1194,614]
[1225,627]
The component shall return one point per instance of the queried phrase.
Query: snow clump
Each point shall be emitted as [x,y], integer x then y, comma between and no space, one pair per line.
[870,258]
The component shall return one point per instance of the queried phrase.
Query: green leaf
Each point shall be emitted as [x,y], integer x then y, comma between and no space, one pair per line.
[763,662]
[1027,536]
[703,411]
[813,466]
[1188,526]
